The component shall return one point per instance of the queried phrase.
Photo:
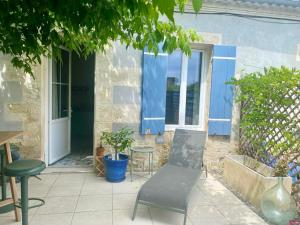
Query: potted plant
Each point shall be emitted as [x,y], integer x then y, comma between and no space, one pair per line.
[116,163]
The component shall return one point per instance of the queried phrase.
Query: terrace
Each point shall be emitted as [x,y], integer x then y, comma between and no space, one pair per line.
[225,80]
[84,199]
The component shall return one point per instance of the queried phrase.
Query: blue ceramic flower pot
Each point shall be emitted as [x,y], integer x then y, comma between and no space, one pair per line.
[115,170]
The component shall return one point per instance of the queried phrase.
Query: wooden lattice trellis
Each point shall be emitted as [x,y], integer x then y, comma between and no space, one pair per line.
[281,142]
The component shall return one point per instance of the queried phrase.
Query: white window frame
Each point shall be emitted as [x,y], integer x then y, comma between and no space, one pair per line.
[183,87]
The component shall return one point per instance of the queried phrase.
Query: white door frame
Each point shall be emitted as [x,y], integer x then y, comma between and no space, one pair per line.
[48,106]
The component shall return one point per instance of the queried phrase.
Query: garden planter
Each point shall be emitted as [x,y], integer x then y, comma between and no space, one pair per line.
[249,183]
[115,170]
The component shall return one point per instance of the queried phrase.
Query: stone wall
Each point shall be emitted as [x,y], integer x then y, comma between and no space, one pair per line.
[118,80]
[118,83]
[118,98]
[118,75]
[20,106]
[118,95]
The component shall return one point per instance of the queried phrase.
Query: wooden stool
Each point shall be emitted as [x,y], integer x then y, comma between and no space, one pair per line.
[3,177]
[13,188]
[100,166]
[99,161]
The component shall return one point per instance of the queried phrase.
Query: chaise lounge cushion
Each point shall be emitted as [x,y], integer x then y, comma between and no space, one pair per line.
[170,187]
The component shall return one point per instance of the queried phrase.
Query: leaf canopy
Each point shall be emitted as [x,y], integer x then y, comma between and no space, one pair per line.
[36,28]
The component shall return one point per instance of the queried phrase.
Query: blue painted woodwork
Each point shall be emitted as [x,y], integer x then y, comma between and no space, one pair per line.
[221,95]
[293,172]
[154,93]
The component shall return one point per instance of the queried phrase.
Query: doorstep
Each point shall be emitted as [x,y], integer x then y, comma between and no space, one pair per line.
[54,169]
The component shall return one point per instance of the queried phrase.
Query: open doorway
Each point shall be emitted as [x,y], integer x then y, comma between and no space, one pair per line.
[81,113]
[82,102]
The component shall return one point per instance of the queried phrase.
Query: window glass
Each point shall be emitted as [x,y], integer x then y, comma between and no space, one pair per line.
[65,66]
[64,100]
[193,89]
[55,101]
[173,88]
[55,72]
[60,86]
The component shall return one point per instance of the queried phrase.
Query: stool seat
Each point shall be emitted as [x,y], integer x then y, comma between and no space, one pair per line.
[21,168]
[24,169]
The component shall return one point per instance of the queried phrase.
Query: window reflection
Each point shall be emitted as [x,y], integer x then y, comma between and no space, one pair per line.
[173,88]
[193,89]
[60,86]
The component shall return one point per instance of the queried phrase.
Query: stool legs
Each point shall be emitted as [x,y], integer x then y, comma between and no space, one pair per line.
[131,164]
[12,181]
[24,200]
[3,178]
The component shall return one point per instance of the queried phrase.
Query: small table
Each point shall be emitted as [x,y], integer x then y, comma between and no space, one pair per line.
[5,137]
[142,149]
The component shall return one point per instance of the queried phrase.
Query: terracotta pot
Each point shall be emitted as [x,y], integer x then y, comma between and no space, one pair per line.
[100,151]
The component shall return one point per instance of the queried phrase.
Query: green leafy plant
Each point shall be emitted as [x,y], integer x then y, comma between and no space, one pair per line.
[32,29]
[119,141]
[268,121]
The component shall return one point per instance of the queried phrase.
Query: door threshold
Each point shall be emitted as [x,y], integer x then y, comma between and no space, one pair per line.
[71,169]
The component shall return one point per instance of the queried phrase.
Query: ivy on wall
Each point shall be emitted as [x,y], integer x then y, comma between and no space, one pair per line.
[270,116]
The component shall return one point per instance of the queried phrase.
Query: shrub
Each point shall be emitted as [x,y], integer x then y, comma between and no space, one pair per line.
[120,140]
[270,118]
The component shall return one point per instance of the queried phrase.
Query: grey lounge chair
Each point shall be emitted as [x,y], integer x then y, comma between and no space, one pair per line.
[171,186]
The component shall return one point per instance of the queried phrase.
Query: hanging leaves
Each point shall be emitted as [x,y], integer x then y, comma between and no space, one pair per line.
[197,5]
[166,7]
[32,29]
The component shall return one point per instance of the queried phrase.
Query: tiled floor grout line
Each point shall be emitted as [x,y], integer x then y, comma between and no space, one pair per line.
[222,214]
[72,217]
[52,186]
[46,195]
[112,204]
[151,217]
[77,200]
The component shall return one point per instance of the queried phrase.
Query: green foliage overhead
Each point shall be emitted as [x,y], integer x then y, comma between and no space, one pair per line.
[120,140]
[36,28]
[268,122]
[197,5]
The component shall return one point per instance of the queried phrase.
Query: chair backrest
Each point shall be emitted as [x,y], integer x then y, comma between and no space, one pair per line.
[187,148]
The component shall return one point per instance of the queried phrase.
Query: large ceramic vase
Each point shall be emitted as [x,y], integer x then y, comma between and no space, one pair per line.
[115,170]
[277,204]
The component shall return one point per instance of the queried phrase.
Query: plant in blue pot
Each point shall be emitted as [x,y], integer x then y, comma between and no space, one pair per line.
[116,163]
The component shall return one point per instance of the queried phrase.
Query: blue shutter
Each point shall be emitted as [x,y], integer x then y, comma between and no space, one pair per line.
[221,95]
[154,93]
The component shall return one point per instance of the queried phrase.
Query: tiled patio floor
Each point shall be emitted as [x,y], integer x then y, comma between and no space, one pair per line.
[84,199]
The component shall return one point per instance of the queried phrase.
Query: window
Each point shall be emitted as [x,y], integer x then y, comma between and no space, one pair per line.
[184,75]
[60,86]
[173,88]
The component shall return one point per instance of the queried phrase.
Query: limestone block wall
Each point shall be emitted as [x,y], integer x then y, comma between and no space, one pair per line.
[20,106]
[118,80]
[118,85]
